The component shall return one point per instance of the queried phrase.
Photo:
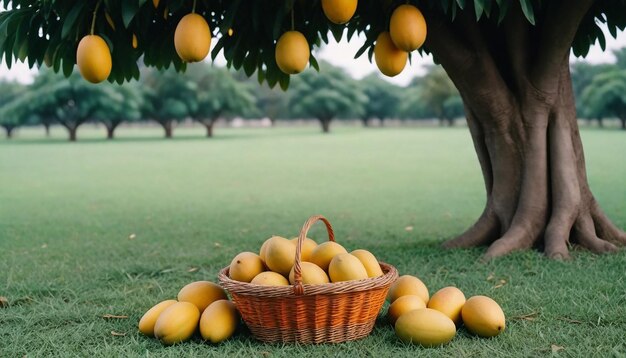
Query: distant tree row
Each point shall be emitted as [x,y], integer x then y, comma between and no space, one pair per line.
[600,89]
[206,93]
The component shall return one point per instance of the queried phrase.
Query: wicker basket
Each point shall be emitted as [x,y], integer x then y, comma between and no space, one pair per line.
[328,313]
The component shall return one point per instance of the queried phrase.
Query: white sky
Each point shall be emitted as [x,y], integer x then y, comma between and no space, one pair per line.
[342,54]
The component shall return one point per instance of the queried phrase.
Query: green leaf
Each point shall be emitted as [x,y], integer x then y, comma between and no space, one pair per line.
[129,9]
[479,7]
[283,80]
[461,4]
[527,8]
[313,62]
[70,19]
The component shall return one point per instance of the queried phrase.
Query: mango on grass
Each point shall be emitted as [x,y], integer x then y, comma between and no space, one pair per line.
[404,305]
[483,316]
[408,285]
[449,301]
[426,327]
[201,294]
[219,321]
[177,323]
[147,322]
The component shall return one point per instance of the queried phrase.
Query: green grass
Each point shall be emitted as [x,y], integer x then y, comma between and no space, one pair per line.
[67,211]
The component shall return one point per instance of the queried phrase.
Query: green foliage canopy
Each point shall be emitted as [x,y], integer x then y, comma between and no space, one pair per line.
[47,31]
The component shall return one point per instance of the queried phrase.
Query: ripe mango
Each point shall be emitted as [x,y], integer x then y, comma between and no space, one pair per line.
[449,301]
[403,305]
[147,322]
[280,255]
[308,245]
[177,323]
[483,316]
[345,267]
[219,321]
[408,285]
[269,278]
[325,252]
[245,266]
[425,326]
[201,294]
[369,261]
[192,38]
[311,274]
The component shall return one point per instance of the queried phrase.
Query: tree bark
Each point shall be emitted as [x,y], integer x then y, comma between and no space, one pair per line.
[9,131]
[521,115]
[600,122]
[325,125]
[209,124]
[111,126]
[46,126]
[623,120]
[366,122]
[450,122]
[167,127]
[72,131]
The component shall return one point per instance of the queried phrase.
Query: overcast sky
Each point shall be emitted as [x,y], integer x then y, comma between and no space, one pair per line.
[342,54]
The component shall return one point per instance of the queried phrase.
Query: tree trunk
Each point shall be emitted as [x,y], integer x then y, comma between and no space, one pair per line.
[522,118]
[46,126]
[111,126]
[72,131]
[9,131]
[272,122]
[366,122]
[325,125]
[601,122]
[450,122]
[623,119]
[167,127]
[209,124]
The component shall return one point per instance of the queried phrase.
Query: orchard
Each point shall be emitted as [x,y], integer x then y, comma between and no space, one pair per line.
[509,61]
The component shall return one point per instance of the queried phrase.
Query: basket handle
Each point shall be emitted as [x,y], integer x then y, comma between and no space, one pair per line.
[297,269]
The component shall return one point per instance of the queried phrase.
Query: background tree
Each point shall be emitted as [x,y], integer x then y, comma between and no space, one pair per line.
[217,94]
[117,105]
[168,98]
[9,120]
[508,59]
[411,107]
[606,96]
[582,75]
[325,95]
[437,88]
[70,101]
[382,101]
[271,102]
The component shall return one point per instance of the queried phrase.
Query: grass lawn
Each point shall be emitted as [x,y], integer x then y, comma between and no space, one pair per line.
[67,212]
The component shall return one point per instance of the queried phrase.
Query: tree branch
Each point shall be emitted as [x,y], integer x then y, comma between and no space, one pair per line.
[564,18]
[461,49]
[517,35]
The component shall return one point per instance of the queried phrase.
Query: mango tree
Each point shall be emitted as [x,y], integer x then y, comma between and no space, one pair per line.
[218,94]
[168,98]
[325,96]
[120,104]
[606,95]
[9,120]
[382,101]
[508,59]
